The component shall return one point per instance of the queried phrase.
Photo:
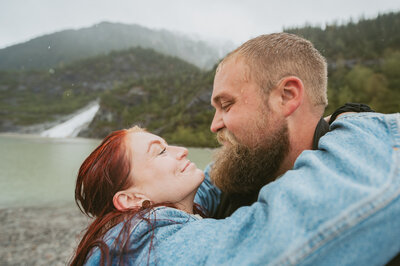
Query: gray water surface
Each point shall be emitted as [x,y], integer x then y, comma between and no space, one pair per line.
[37,171]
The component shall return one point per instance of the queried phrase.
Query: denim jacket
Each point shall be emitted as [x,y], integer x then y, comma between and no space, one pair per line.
[339,205]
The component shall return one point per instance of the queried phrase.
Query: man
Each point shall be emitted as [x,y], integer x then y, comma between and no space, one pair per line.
[280,80]
[269,96]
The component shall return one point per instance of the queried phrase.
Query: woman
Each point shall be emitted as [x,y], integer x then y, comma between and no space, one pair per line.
[132,184]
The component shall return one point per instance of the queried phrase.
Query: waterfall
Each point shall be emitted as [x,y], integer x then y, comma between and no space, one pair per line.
[73,126]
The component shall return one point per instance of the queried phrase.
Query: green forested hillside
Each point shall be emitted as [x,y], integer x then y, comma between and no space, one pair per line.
[365,40]
[60,48]
[171,97]
[357,73]
[29,97]
[176,106]
[364,60]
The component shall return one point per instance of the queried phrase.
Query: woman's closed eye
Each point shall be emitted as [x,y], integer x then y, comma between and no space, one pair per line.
[163,151]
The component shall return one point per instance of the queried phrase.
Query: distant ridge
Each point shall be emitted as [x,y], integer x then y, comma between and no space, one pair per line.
[57,49]
[367,39]
[36,97]
[171,97]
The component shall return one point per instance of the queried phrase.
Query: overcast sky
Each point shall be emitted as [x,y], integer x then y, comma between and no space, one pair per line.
[234,20]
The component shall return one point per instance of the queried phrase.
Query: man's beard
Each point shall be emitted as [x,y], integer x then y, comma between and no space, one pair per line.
[241,169]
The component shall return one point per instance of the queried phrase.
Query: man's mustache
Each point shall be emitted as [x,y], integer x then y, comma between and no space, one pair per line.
[224,136]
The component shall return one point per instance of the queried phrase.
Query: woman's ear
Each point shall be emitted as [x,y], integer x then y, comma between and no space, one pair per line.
[125,199]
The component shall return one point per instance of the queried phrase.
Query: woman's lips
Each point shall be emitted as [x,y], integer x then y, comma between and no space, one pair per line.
[186,166]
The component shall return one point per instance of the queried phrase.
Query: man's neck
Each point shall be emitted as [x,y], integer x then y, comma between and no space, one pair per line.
[301,134]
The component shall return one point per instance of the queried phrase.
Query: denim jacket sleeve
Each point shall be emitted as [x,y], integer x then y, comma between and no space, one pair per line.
[208,195]
[340,205]
[345,196]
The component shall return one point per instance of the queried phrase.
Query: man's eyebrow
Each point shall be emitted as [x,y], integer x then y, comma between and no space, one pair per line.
[217,98]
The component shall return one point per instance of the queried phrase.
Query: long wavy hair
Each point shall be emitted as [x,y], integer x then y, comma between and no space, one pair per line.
[106,171]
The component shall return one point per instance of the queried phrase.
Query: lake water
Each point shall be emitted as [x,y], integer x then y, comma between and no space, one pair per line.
[37,171]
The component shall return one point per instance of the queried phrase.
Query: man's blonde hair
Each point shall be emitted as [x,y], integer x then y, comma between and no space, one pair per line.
[275,56]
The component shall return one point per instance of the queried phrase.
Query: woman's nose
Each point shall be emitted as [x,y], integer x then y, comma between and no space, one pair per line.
[182,152]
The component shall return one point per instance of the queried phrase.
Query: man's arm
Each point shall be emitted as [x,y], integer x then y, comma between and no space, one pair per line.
[339,205]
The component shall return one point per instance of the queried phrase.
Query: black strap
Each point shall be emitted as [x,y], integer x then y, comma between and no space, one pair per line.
[350,107]
[321,129]
[229,203]
[395,261]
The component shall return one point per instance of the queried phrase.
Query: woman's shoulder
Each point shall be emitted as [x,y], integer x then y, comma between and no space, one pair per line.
[170,214]
[159,221]
[156,217]
[162,217]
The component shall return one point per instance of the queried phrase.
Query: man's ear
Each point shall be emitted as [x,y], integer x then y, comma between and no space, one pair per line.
[290,91]
[125,199]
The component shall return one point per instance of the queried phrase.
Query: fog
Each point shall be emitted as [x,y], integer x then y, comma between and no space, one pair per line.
[224,20]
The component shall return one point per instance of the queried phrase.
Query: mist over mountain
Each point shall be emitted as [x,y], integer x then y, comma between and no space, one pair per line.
[171,97]
[60,48]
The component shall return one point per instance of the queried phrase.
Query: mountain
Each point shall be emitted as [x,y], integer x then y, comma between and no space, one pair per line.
[66,46]
[170,97]
[30,97]
[177,106]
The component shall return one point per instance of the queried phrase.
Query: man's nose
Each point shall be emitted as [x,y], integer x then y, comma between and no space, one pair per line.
[182,152]
[217,123]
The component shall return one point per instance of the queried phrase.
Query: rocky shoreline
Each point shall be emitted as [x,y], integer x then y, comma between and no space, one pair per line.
[40,235]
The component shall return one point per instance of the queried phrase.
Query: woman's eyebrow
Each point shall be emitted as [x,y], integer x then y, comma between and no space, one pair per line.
[156,141]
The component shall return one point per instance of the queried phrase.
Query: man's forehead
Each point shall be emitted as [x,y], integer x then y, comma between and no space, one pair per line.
[221,90]
[231,75]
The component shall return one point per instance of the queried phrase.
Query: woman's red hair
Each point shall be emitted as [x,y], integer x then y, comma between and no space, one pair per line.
[106,171]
